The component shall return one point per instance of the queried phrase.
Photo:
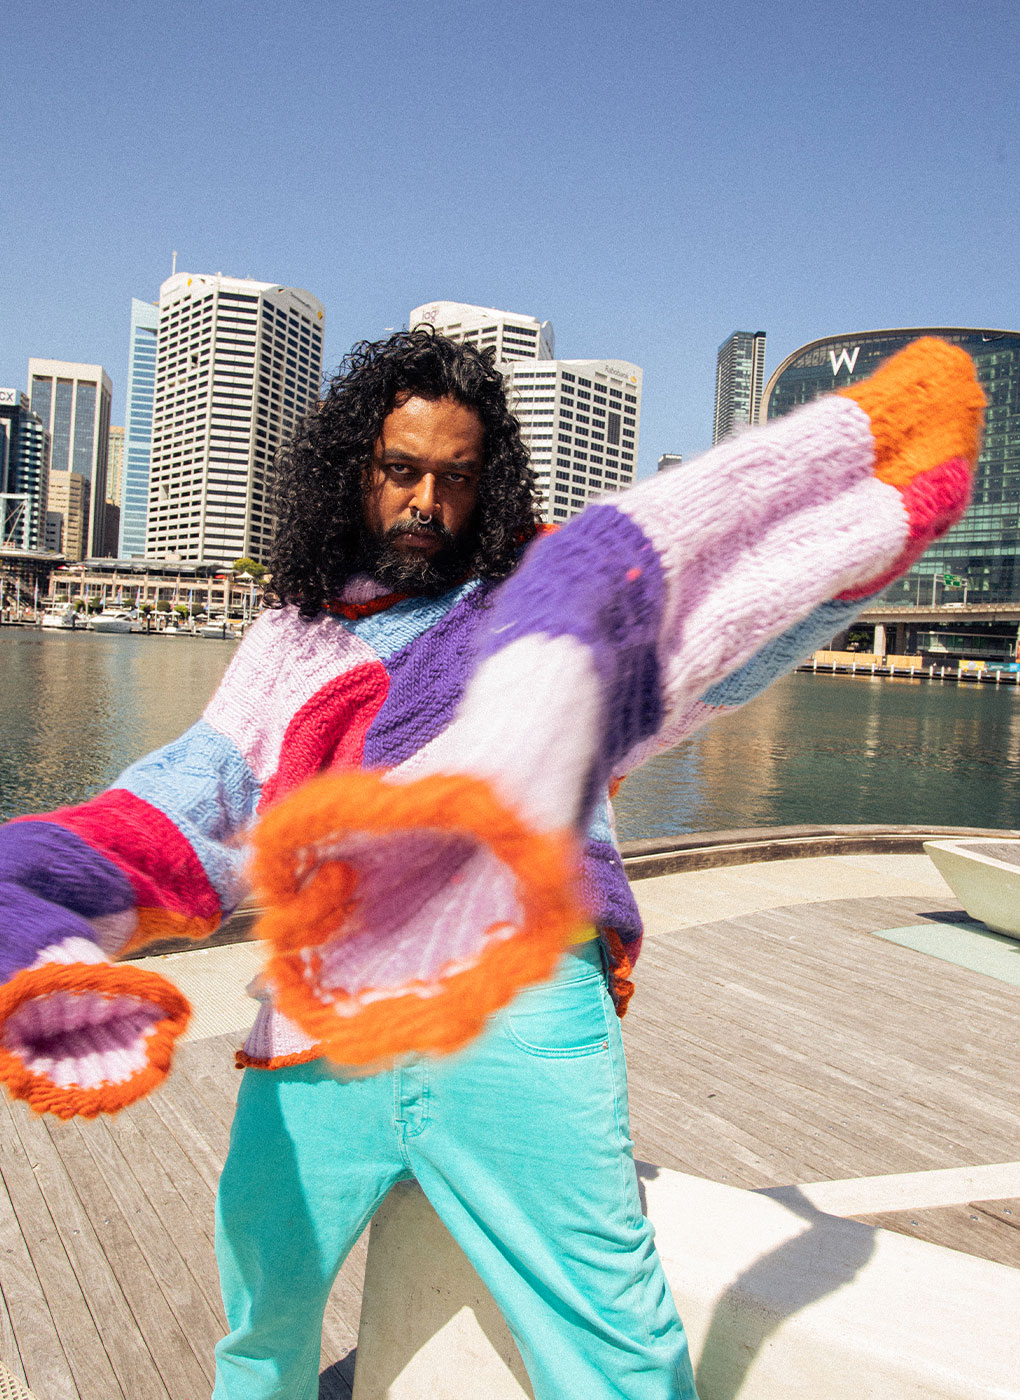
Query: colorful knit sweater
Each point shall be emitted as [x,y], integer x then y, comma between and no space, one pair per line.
[464,744]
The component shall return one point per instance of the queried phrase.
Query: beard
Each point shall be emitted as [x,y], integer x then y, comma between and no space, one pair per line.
[428,574]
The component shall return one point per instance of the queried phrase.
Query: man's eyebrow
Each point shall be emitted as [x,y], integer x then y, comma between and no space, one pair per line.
[396,454]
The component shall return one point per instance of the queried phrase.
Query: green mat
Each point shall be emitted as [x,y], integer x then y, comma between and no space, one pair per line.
[969,944]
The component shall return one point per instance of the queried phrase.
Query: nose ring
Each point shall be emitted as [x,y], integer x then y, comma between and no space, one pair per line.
[420,516]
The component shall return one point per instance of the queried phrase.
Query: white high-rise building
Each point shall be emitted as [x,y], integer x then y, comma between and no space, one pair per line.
[581,420]
[237,363]
[73,401]
[512,336]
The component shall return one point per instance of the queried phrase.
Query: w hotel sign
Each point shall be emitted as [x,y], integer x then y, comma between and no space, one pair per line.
[844,357]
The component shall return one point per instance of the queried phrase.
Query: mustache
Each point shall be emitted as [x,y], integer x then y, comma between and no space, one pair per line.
[418,527]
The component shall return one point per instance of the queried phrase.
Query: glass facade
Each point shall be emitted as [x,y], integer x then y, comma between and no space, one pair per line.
[63,402]
[141,386]
[978,560]
[84,429]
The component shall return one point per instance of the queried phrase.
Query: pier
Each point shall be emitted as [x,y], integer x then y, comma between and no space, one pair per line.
[799,1022]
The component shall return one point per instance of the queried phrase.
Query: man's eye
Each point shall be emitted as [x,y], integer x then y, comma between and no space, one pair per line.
[456,478]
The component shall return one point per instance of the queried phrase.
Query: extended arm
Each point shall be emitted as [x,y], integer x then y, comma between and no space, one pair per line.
[402,919]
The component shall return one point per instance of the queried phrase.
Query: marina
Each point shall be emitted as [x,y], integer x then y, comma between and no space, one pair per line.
[779,1037]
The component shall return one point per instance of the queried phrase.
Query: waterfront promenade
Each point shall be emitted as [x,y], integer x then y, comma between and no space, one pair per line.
[775,1039]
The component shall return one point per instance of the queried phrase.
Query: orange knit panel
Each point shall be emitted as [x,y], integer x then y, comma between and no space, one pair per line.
[925,406]
[109,981]
[306,907]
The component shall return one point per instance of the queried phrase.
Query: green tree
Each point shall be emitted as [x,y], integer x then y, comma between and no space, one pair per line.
[249,566]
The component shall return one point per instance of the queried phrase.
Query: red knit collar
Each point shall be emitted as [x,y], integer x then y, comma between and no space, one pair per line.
[354,611]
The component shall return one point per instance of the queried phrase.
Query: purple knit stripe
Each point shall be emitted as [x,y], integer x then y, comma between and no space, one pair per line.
[606,894]
[427,679]
[58,865]
[30,924]
[603,585]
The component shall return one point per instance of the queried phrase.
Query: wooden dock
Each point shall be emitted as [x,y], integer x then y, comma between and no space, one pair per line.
[782,1047]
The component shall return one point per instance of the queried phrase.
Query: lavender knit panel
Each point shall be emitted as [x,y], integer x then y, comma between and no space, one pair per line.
[57,865]
[31,923]
[599,580]
[427,680]
[605,892]
[784,652]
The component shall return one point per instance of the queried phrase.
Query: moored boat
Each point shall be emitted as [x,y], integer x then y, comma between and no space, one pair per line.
[116,620]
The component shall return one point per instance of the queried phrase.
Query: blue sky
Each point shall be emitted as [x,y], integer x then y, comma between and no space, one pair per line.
[650,177]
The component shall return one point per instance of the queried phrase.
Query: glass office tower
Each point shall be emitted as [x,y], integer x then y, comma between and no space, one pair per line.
[978,560]
[141,385]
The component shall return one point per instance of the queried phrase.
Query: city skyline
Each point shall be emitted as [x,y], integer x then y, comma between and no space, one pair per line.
[863,196]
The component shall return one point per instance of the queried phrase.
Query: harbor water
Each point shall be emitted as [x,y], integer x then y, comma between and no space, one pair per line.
[77,708]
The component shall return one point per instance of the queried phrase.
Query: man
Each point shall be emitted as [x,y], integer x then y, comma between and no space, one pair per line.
[495,691]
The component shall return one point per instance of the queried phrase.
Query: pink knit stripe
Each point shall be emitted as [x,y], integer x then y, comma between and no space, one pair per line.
[145,844]
[726,609]
[760,475]
[284,660]
[933,500]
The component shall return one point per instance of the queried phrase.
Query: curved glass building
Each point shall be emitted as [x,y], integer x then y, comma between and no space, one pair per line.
[978,560]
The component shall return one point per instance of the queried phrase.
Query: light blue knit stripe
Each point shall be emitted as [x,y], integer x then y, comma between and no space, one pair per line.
[599,828]
[390,631]
[784,652]
[203,785]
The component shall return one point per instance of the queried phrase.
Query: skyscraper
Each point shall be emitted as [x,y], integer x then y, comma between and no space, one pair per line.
[73,401]
[24,472]
[237,363]
[512,335]
[114,465]
[739,380]
[581,421]
[141,385]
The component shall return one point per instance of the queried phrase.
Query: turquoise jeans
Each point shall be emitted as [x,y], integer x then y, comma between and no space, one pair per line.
[521,1143]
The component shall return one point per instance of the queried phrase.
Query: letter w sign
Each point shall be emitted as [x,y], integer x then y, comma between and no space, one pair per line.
[846,357]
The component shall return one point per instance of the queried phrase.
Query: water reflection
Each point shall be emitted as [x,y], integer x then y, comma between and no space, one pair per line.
[79,707]
[836,749]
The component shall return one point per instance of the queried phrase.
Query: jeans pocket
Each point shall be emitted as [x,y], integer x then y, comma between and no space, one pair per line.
[563,1018]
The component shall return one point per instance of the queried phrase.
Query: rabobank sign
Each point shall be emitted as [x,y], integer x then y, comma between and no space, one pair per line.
[845,357]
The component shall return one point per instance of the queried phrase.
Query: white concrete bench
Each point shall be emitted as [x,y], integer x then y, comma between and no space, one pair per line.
[780,1300]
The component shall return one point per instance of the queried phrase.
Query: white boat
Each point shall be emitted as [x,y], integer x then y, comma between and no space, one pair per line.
[217,627]
[66,616]
[116,620]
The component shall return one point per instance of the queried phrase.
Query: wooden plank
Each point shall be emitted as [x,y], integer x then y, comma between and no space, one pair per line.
[198,1320]
[969,1228]
[27,1321]
[115,1360]
[34,1273]
[809,1039]
[175,1366]
[187,1222]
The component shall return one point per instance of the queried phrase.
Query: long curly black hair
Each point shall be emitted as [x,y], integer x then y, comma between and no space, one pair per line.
[321,474]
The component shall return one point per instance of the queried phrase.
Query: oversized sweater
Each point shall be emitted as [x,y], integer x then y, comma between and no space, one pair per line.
[411,900]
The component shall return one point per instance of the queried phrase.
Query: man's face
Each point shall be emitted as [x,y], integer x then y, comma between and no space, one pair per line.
[420,494]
